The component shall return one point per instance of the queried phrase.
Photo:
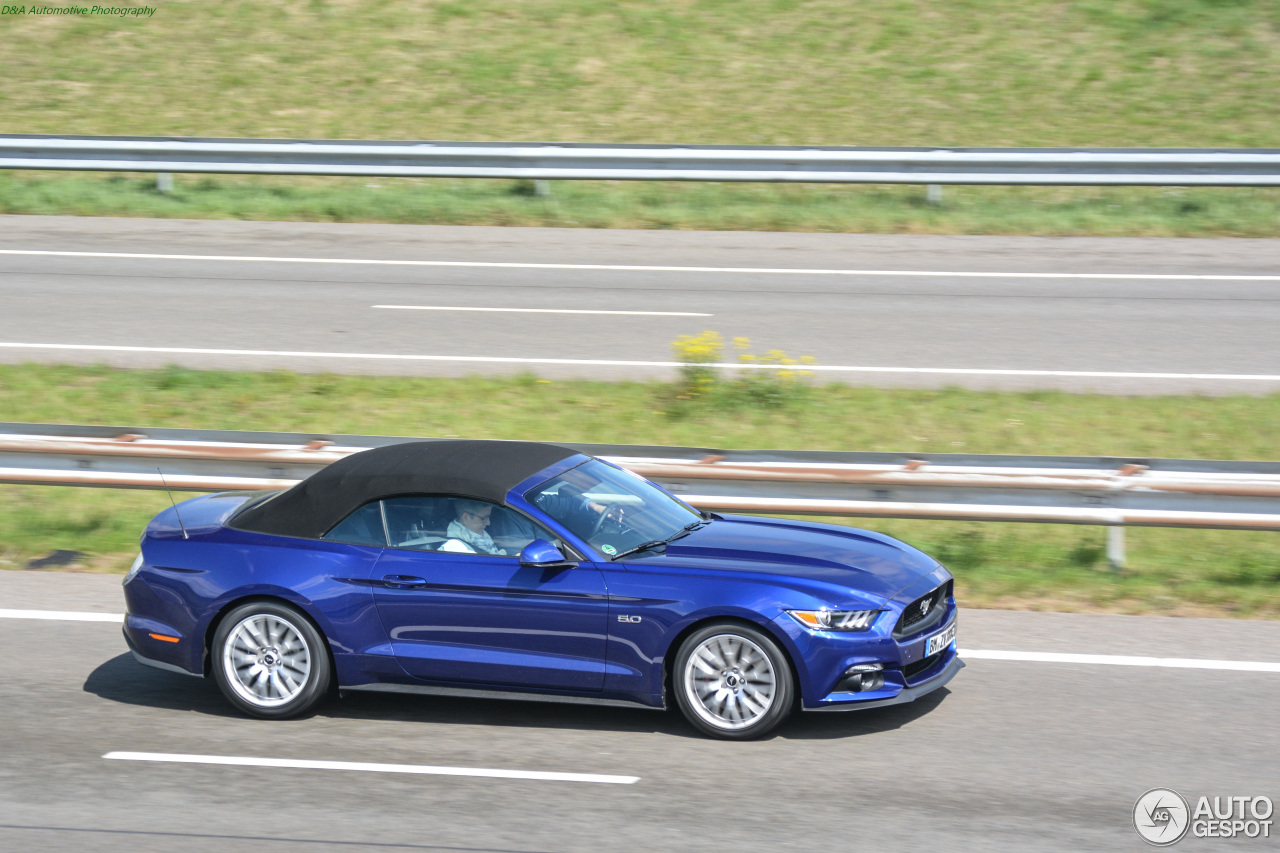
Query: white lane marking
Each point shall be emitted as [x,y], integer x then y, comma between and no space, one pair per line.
[1122,660]
[545,311]
[418,769]
[62,615]
[600,362]
[649,268]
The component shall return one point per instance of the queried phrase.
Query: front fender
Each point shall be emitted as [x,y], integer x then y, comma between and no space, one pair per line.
[694,621]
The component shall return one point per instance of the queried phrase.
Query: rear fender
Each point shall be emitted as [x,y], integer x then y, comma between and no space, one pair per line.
[275,594]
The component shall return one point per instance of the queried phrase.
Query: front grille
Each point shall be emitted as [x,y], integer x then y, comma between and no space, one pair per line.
[911,670]
[913,619]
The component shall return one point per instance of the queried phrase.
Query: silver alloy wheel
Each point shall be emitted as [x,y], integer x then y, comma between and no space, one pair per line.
[266,660]
[730,681]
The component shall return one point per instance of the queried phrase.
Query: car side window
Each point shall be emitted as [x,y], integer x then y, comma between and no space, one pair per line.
[362,527]
[458,525]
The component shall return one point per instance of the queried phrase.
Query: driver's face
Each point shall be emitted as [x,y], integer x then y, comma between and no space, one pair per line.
[474,522]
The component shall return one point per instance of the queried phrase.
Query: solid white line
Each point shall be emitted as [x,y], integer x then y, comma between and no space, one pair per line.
[1122,660]
[599,362]
[545,311]
[62,615]
[648,268]
[418,769]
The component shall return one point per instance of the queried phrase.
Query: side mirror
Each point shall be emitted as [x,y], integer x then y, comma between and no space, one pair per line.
[542,554]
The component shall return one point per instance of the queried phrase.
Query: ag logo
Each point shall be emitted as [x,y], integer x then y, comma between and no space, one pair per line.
[1161,817]
[925,605]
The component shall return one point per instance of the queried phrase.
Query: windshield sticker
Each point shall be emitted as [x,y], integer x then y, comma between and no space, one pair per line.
[609,549]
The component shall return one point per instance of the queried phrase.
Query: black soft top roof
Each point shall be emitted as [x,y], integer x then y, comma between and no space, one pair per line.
[486,470]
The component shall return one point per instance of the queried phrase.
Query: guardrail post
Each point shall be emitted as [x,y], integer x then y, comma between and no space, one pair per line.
[934,194]
[1115,546]
[164,182]
[542,189]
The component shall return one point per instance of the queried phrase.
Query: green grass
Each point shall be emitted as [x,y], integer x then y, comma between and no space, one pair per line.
[773,72]
[1064,568]
[1129,73]
[1203,572]
[1077,211]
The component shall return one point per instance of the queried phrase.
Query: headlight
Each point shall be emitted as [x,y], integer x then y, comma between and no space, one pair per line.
[133,570]
[835,620]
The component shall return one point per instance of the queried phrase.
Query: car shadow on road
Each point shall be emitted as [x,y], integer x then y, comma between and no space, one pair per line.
[823,725]
[123,679]
[458,710]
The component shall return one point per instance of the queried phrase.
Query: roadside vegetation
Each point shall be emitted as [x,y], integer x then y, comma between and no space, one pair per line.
[1060,211]
[978,73]
[1052,567]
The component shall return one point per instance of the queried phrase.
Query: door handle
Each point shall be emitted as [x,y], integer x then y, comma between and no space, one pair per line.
[403,582]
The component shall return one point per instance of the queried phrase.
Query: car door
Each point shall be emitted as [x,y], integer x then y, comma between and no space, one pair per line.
[459,616]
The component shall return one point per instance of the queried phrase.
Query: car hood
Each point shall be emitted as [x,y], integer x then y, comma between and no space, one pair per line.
[849,558]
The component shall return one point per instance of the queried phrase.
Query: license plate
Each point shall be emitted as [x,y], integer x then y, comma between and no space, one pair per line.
[938,642]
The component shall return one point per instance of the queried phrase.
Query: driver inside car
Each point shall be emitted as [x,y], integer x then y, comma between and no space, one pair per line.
[467,533]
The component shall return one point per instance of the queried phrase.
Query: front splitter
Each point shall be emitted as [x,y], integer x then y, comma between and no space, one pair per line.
[908,694]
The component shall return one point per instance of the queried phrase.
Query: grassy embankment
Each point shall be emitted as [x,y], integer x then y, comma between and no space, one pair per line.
[1141,73]
[1008,565]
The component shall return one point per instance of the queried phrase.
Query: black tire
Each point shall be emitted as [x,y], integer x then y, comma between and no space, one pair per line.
[744,666]
[270,661]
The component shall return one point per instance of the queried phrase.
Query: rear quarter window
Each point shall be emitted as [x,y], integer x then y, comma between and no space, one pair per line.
[362,527]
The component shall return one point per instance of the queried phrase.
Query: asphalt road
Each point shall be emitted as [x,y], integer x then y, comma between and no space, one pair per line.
[955,316]
[1013,756]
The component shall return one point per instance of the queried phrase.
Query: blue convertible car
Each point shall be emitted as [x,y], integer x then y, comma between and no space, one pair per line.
[523,570]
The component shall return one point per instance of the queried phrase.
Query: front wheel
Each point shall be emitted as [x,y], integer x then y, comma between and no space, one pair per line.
[733,682]
[270,661]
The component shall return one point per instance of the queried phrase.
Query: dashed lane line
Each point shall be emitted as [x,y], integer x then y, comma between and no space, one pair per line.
[62,615]
[369,767]
[1121,660]
[545,311]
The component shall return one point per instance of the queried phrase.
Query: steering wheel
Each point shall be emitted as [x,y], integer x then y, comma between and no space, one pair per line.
[604,514]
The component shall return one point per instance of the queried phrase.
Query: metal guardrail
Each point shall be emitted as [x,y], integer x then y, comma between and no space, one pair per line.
[553,161]
[1112,492]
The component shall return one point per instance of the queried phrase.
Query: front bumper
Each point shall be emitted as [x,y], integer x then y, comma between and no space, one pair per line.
[824,658]
[906,694]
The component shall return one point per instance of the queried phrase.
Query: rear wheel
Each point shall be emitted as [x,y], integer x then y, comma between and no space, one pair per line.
[270,661]
[733,682]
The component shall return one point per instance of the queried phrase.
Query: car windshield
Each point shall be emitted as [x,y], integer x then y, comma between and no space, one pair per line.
[611,509]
